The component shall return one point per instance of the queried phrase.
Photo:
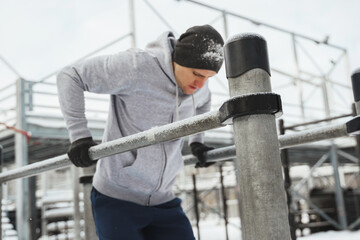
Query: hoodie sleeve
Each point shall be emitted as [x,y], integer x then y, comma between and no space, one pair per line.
[204,107]
[111,74]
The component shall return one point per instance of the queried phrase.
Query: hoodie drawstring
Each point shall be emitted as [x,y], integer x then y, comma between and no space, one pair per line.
[193,100]
[177,103]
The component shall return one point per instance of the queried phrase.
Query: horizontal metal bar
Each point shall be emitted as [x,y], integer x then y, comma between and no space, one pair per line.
[33,169]
[159,134]
[285,141]
[318,121]
[313,135]
[155,135]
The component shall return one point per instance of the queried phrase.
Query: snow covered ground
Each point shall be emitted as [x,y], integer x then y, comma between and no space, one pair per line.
[215,230]
[333,235]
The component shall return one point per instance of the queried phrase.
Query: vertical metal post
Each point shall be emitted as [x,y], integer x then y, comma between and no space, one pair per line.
[339,197]
[238,193]
[132,23]
[355,80]
[89,223]
[44,231]
[223,195]
[287,182]
[1,190]
[21,159]
[297,80]
[264,213]
[226,29]
[76,190]
[196,206]
[325,97]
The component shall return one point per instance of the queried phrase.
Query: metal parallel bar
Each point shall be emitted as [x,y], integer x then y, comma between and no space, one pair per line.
[196,206]
[84,57]
[184,128]
[155,135]
[266,25]
[318,210]
[285,141]
[318,121]
[159,134]
[313,135]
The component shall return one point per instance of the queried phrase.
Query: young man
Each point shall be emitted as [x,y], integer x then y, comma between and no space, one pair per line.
[132,196]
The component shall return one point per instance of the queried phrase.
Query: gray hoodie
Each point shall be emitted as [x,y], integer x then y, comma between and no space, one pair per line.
[144,94]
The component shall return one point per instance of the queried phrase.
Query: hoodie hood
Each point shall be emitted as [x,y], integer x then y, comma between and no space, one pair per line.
[162,48]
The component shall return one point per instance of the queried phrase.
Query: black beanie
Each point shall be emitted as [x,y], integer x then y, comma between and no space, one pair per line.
[200,47]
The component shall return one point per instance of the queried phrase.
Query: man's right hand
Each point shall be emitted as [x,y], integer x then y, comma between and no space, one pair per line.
[79,152]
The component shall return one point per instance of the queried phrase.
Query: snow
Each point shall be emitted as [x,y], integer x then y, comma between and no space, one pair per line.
[215,230]
[333,235]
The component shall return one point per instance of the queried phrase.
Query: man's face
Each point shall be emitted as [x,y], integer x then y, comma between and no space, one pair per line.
[191,79]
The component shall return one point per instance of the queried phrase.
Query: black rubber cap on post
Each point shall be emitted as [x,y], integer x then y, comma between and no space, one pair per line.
[244,52]
[355,78]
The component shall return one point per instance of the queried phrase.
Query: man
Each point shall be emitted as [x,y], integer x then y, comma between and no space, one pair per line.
[132,194]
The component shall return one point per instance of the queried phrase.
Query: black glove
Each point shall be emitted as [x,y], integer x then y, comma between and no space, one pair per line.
[79,152]
[199,150]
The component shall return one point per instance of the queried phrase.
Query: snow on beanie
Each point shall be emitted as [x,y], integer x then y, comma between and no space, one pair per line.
[200,47]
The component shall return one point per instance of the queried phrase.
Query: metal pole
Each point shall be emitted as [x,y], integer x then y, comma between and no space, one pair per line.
[355,79]
[339,197]
[325,97]
[297,80]
[263,205]
[89,223]
[76,190]
[287,182]
[196,206]
[132,23]
[223,195]
[1,189]
[226,29]
[21,159]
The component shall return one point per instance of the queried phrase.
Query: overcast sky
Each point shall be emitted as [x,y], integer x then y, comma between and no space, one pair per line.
[39,37]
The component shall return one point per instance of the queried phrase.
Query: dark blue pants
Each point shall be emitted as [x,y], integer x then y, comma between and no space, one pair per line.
[122,220]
